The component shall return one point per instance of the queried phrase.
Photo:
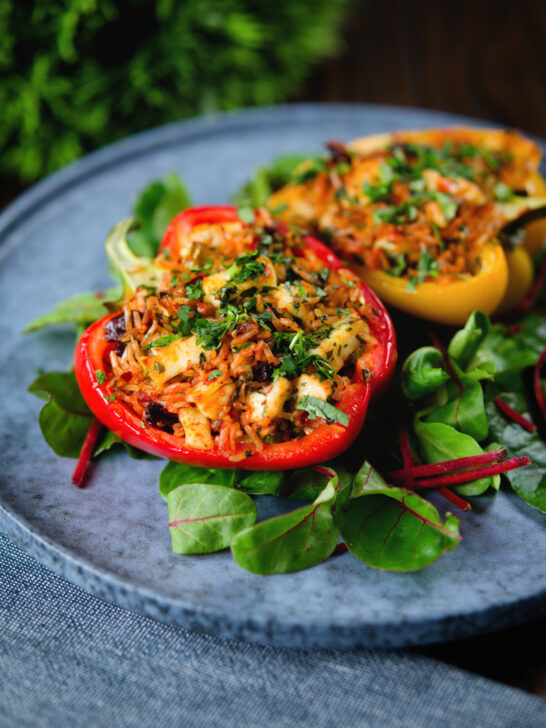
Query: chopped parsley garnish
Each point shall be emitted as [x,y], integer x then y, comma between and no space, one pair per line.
[245,213]
[295,357]
[502,192]
[312,169]
[383,189]
[101,376]
[318,408]
[427,266]
[187,317]
[245,267]
[215,374]
[194,291]
[162,341]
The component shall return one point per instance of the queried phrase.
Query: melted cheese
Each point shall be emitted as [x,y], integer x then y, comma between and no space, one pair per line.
[214,283]
[172,359]
[211,397]
[270,404]
[342,342]
[196,429]
[310,385]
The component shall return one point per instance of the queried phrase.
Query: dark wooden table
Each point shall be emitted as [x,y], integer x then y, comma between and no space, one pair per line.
[481,58]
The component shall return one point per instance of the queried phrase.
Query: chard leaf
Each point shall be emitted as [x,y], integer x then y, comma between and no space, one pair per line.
[175,474]
[63,389]
[259,482]
[529,482]
[266,180]
[109,440]
[464,410]
[82,310]
[63,431]
[255,482]
[204,517]
[307,484]
[439,442]
[423,372]
[467,341]
[65,418]
[392,528]
[155,207]
[291,542]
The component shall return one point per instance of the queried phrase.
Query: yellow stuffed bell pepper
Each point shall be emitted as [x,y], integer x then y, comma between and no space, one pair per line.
[420,216]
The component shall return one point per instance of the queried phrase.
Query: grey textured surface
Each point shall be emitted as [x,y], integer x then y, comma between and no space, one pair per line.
[70,659]
[112,538]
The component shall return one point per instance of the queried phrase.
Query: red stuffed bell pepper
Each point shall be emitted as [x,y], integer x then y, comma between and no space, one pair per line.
[249,346]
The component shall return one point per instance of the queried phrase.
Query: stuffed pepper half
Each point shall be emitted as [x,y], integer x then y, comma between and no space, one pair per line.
[241,345]
[420,216]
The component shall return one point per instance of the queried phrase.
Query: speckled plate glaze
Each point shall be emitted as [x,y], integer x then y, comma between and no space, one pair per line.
[112,538]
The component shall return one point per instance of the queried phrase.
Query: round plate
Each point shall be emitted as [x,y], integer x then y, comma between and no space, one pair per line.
[112,538]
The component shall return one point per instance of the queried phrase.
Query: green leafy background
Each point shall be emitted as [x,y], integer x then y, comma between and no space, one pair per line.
[77,74]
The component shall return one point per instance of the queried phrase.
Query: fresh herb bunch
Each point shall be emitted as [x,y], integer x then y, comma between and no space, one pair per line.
[76,75]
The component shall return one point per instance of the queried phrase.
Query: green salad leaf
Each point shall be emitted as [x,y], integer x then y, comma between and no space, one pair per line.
[529,482]
[423,373]
[266,180]
[392,528]
[155,207]
[204,517]
[82,310]
[291,542]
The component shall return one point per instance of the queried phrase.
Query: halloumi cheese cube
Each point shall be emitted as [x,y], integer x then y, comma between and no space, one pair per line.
[269,404]
[168,361]
[214,283]
[211,397]
[342,342]
[310,385]
[196,429]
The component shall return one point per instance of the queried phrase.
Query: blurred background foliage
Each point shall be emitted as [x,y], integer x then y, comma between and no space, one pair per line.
[76,74]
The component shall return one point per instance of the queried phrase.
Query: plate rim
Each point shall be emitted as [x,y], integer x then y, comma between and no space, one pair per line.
[127,594]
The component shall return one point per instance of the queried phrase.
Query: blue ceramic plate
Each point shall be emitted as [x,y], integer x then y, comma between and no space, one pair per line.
[112,538]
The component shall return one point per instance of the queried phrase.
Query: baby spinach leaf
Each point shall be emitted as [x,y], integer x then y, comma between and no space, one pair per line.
[176,474]
[464,408]
[392,528]
[63,389]
[529,482]
[155,207]
[439,442]
[466,342]
[423,372]
[82,310]
[204,517]
[291,542]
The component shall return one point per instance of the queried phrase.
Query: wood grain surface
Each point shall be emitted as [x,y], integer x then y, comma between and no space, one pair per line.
[482,58]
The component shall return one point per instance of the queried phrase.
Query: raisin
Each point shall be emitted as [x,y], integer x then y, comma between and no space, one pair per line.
[263,372]
[115,328]
[157,416]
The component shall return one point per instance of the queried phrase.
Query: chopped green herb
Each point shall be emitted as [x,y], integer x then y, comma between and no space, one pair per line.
[162,341]
[101,376]
[318,408]
[194,291]
[215,374]
[502,192]
[245,214]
